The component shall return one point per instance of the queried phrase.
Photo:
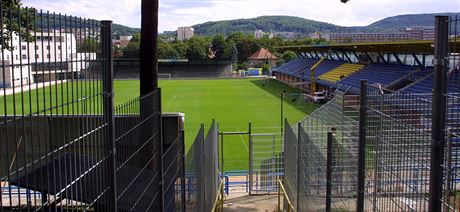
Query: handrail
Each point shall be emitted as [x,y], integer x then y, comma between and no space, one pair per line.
[219,205]
[281,187]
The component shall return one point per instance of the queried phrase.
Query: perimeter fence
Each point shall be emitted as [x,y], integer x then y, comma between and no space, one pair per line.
[64,144]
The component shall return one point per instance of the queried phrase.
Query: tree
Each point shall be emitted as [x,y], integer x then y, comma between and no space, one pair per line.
[288,56]
[219,46]
[132,50]
[167,51]
[198,48]
[16,20]
[181,48]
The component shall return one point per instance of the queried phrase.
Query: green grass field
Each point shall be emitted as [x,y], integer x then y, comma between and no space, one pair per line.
[232,103]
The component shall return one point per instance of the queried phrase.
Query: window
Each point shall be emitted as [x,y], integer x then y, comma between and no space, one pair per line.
[8,57]
[37,56]
[24,56]
[59,47]
[37,47]
[47,47]
[48,56]
[17,57]
[24,47]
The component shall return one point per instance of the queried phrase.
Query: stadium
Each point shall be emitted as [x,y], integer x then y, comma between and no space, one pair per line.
[343,127]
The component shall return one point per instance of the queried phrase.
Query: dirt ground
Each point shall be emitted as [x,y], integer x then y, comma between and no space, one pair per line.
[243,202]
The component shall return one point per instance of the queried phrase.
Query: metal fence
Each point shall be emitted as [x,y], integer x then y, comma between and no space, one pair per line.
[64,144]
[203,178]
[382,150]
[398,139]
[306,157]
[266,163]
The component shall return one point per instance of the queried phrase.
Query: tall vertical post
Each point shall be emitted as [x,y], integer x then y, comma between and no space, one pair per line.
[299,160]
[362,146]
[222,152]
[149,83]
[282,111]
[329,172]
[438,142]
[109,117]
[148,47]
[251,174]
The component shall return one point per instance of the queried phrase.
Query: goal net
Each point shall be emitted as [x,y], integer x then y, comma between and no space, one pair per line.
[164,76]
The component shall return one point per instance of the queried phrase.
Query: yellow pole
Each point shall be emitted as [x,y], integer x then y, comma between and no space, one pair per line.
[222,196]
[279,196]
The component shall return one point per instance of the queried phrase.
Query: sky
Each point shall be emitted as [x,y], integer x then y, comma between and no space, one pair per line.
[176,13]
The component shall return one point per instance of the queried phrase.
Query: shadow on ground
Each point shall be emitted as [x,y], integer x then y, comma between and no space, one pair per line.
[292,96]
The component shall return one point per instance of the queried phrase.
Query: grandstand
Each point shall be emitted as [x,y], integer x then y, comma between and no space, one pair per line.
[341,72]
[378,63]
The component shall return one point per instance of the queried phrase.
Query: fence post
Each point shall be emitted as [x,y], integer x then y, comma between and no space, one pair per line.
[250,160]
[362,146]
[439,112]
[108,110]
[329,172]
[299,153]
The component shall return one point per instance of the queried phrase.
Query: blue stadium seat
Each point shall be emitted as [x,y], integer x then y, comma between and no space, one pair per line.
[384,74]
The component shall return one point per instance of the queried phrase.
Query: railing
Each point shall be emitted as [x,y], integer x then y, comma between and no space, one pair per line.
[282,191]
[219,202]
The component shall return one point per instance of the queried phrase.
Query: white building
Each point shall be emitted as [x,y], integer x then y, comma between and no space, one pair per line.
[185,33]
[52,56]
[12,73]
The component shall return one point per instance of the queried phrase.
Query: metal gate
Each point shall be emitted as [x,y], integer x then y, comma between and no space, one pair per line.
[265,163]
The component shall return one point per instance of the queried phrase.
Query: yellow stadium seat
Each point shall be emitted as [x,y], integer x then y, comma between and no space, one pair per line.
[344,70]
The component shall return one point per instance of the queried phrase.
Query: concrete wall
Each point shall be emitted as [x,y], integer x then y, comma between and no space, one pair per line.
[129,69]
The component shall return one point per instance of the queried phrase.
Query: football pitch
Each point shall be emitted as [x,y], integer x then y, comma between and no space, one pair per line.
[233,103]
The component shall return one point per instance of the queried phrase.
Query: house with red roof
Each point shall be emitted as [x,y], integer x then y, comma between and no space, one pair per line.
[262,57]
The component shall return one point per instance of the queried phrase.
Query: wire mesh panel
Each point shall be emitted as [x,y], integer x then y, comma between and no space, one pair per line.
[306,158]
[266,163]
[202,171]
[291,173]
[54,151]
[172,174]
[452,130]
[195,174]
[398,151]
[210,166]
[138,172]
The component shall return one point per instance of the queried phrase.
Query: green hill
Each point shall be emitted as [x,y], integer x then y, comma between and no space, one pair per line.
[305,26]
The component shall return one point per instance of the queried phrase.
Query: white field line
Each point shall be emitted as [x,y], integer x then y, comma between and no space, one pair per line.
[242,140]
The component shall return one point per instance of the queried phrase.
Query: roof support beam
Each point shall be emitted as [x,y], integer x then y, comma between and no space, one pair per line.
[383,58]
[424,60]
[369,57]
[338,56]
[322,54]
[398,59]
[356,55]
[417,60]
[346,55]
[317,56]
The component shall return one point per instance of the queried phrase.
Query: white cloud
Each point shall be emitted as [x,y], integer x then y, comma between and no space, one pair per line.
[174,13]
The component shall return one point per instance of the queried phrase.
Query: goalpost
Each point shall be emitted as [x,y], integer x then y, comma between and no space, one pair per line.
[164,76]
